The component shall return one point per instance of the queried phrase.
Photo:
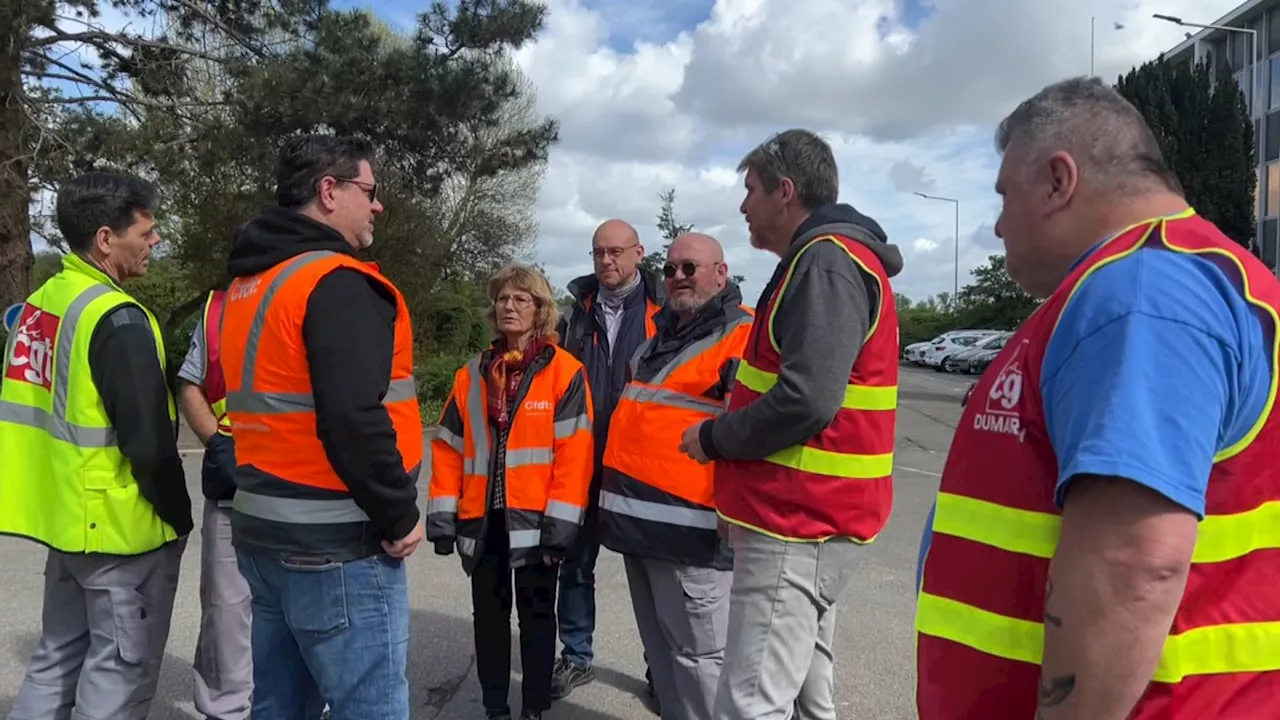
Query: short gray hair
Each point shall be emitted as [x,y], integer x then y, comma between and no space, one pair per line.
[802,156]
[1104,133]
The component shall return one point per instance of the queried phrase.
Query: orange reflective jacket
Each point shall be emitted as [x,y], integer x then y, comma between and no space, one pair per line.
[547,458]
[288,496]
[654,500]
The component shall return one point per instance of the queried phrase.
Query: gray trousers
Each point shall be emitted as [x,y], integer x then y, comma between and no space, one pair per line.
[105,626]
[782,619]
[682,614]
[224,654]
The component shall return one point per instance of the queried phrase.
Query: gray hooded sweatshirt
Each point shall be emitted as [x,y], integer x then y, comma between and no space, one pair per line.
[819,325]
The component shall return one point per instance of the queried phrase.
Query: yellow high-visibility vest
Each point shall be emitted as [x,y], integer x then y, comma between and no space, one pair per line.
[63,480]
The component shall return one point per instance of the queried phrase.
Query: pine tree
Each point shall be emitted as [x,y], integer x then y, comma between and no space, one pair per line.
[670,229]
[1206,137]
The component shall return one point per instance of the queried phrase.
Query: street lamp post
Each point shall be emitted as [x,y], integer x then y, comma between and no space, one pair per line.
[1253,59]
[1253,92]
[955,286]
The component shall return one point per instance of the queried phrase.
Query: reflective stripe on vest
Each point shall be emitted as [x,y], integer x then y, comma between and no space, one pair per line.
[655,501]
[319,506]
[980,609]
[214,386]
[547,474]
[66,483]
[247,400]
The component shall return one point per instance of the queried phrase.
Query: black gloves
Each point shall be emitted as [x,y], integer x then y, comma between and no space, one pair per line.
[218,474]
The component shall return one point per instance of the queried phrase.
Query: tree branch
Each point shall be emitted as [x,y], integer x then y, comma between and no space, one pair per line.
[237,37]
[123,101]
[103,41]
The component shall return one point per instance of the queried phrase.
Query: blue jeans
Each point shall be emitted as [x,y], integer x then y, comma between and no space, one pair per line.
[576,606]
[335,633]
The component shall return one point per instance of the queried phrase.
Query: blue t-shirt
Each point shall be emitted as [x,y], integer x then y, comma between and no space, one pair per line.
[1157,364]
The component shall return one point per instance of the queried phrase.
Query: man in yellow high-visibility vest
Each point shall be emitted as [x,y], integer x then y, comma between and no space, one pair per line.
[91,470]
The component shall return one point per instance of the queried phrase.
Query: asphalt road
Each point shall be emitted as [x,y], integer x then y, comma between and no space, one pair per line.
[875,657]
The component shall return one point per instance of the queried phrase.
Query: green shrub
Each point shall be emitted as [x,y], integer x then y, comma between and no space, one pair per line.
[434,374]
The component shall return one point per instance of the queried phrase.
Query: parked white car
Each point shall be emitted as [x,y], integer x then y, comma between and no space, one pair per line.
[915,352]
[950,345]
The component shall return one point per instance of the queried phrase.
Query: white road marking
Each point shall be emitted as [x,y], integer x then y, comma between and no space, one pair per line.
[918,472]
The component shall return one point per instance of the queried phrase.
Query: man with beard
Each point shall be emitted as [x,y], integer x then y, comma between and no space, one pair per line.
[657,505]
[317,354]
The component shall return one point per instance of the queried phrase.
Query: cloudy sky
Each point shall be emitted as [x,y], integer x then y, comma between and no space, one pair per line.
[671,93]
[656,94]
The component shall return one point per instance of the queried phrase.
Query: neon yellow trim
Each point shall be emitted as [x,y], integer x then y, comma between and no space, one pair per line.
[786,280]
[1211,650]
[834,464]
[1161,224]
[856,397]
[1219,538]
[786,538]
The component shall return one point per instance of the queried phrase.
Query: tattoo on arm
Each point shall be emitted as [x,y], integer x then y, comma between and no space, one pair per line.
[1048,616]
[1053,691]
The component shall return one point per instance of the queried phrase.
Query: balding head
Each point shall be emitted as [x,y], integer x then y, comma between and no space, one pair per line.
[1079,163]
[695,272]
[616,251]
[1104,134]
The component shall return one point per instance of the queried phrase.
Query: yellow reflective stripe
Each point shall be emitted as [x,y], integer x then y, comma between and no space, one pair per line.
[826,462]
[856,397]
[788,538]
[1210,650]
[1219,537]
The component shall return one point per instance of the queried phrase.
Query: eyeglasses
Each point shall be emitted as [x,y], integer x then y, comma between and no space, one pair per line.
[370,189]
[688,268]
[613,252]
[520,301]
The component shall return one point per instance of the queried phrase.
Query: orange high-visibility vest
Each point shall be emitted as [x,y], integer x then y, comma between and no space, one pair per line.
[288,496]
[548,463]
[655,501]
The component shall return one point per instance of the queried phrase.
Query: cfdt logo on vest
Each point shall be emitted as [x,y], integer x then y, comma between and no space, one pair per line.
[537,405]
[31,359]
[1002,413]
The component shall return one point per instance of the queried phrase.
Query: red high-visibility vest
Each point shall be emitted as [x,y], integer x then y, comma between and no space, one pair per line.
[839,483]
[980,616]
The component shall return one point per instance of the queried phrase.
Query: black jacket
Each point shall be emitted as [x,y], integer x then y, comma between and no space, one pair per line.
[135,395]
[349,335]
[582,333]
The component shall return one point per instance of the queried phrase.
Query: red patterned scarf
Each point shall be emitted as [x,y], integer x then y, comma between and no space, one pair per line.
[505,373]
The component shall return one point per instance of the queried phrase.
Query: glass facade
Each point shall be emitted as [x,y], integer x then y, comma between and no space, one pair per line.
[1232,52]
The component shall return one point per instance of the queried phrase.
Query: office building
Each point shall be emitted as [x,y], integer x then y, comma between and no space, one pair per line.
[1228,50]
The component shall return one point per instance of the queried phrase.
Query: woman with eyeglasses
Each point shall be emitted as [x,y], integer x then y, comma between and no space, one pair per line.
[511,464]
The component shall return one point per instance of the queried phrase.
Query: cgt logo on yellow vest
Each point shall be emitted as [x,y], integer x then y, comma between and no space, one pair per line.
[1002,413]
[31,359]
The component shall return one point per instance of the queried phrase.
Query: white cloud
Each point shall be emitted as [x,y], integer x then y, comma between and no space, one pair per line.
[905,109]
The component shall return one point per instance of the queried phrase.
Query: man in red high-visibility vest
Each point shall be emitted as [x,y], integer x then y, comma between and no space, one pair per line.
[804,451]
[224,658]
[1103,543]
